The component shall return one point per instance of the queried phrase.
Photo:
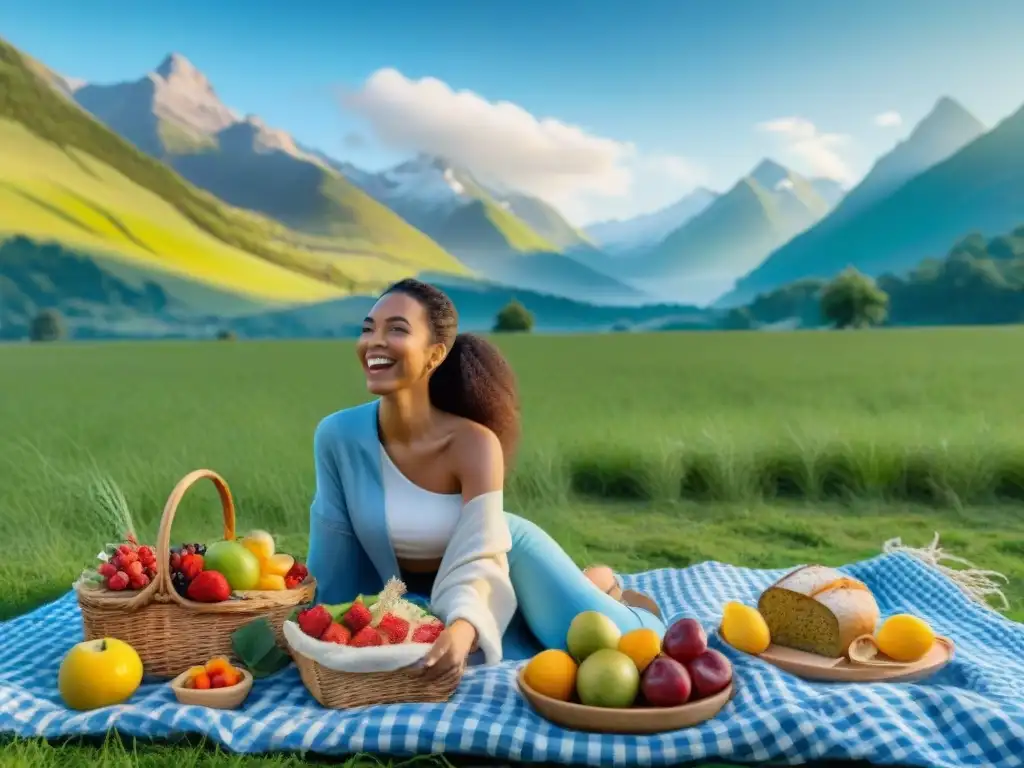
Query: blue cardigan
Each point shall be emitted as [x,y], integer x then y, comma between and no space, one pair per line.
[349,547]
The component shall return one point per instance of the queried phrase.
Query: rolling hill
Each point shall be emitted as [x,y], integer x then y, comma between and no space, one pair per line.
[732,235]
[174,115]
[979,188]
[625,236]
[65,177]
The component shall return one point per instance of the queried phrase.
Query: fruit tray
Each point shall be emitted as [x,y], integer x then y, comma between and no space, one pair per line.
[633,721]
[810,666]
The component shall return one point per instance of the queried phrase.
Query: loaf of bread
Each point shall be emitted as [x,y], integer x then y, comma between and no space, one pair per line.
[818,610]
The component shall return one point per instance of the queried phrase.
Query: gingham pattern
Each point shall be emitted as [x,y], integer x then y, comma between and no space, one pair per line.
[970,714]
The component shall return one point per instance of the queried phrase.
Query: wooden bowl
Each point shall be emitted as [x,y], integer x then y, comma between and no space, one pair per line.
[215,698]
[634,721]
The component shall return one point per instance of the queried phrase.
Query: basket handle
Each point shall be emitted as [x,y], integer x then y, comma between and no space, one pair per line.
[163,538]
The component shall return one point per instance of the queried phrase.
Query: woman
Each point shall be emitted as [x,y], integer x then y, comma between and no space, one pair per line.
[410,486]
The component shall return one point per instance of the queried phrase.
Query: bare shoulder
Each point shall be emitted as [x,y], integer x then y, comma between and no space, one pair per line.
[478,458]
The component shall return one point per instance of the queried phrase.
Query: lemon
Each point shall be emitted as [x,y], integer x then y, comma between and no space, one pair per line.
[744,628]
[905,638]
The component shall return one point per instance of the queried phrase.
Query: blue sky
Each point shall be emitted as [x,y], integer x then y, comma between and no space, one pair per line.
[683,83]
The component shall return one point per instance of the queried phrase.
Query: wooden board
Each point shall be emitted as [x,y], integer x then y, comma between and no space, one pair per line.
[810,666]
[635,720]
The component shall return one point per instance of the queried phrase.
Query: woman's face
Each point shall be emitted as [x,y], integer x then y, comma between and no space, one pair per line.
[396,348]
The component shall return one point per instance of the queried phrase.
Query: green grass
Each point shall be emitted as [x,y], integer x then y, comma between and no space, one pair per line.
[639,451]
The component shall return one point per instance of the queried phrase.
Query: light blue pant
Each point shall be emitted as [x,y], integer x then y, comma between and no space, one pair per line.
[551,590]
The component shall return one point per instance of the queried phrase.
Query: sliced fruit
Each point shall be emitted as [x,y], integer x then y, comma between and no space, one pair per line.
[271,582]
[260,543]
[277,565]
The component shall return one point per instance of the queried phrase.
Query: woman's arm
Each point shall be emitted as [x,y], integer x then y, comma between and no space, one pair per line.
[335,554]
[473,593]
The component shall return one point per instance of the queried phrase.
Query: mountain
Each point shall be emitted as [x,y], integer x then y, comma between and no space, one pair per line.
[980,188]
[764,209]
[618,236]
[497,234]
[175,115]
[829,190]
[65,178]
[946,129]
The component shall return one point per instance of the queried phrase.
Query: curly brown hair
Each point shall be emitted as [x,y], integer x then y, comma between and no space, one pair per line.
[475,380]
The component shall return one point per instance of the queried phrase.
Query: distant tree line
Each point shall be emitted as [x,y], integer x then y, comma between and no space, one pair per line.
[979,282]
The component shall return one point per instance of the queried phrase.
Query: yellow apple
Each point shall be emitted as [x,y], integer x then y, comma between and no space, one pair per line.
[99,673]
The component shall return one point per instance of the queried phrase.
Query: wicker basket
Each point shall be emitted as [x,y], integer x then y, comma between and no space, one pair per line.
[170,632]
[344,690]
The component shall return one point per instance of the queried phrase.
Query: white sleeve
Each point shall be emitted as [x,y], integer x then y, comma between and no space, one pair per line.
[473,581]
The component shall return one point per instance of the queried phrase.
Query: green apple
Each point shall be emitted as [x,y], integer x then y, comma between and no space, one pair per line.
[238,565]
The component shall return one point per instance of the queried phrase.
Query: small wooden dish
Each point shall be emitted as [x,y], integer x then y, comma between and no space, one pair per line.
[215,698]
[810,666]
[635,720]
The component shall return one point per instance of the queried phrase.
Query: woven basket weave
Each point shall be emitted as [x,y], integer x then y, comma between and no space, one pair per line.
[344,690]
[169,632]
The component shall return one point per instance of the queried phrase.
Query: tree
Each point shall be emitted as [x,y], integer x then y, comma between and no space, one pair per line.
[226,334]
[514,317]
[854,300]
[48,325]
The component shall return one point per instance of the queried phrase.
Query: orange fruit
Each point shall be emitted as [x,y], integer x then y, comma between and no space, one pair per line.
[642,646]
[216,665]
[201,681]
[552,673]
[231,676]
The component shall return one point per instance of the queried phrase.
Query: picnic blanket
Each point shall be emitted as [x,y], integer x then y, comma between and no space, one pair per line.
[969,714]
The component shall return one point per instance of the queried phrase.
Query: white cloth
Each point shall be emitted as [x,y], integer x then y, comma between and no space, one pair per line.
[420,522]
[342,658]
[473,581]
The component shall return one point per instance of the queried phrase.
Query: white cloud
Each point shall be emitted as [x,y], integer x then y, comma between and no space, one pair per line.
[501,142]
[889,119]
[819,153]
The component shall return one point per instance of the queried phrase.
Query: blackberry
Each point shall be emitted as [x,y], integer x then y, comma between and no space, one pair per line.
[180,582]
[200,549]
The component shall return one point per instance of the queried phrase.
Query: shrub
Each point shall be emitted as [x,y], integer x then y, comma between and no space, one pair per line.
[48,325]
[513,318]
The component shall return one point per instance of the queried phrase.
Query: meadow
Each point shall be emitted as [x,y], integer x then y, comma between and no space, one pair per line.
[642,451]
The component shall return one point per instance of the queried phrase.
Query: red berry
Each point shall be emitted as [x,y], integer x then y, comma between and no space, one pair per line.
[106,570]
[314,621]
[427,633]
[118,581]
[336,633]
[191,566]
[356,617]
[217,680]
[124,549]
[129,557]
[175,561]
[145,553]
[394,628]
[139,581]
[366,637]
[135,569]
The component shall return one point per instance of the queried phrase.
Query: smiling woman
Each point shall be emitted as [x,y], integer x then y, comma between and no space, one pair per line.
[411,486]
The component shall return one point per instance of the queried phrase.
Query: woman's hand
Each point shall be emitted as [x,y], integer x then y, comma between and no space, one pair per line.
[450,650]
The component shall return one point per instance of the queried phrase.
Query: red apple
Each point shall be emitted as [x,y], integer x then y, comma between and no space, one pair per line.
[710,673]
[685,640]
[666,683]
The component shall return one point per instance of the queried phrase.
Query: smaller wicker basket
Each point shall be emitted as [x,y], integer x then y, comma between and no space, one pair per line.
[169,632]
[344,690]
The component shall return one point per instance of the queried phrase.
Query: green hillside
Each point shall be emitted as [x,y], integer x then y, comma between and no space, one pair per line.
[66,177]
[980,188]
[483,226]
[735,232]
[547,222]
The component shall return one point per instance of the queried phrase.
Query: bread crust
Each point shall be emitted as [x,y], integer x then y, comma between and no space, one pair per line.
[849,600]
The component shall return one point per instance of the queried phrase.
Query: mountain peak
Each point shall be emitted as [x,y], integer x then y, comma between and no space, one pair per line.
[769,173]
[947,116]
[175,64]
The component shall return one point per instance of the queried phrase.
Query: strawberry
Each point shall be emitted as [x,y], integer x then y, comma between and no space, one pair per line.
[209,587]
[296,575]
[357,617]
[366,637]
[427,633]
[106,570]
[138,581]
[336,633]
[145,553]
[191,566]
[394,628]
[118,581]
[135,569]
[315,621]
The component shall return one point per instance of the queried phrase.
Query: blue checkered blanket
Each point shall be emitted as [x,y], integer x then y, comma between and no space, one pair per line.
[969,714]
